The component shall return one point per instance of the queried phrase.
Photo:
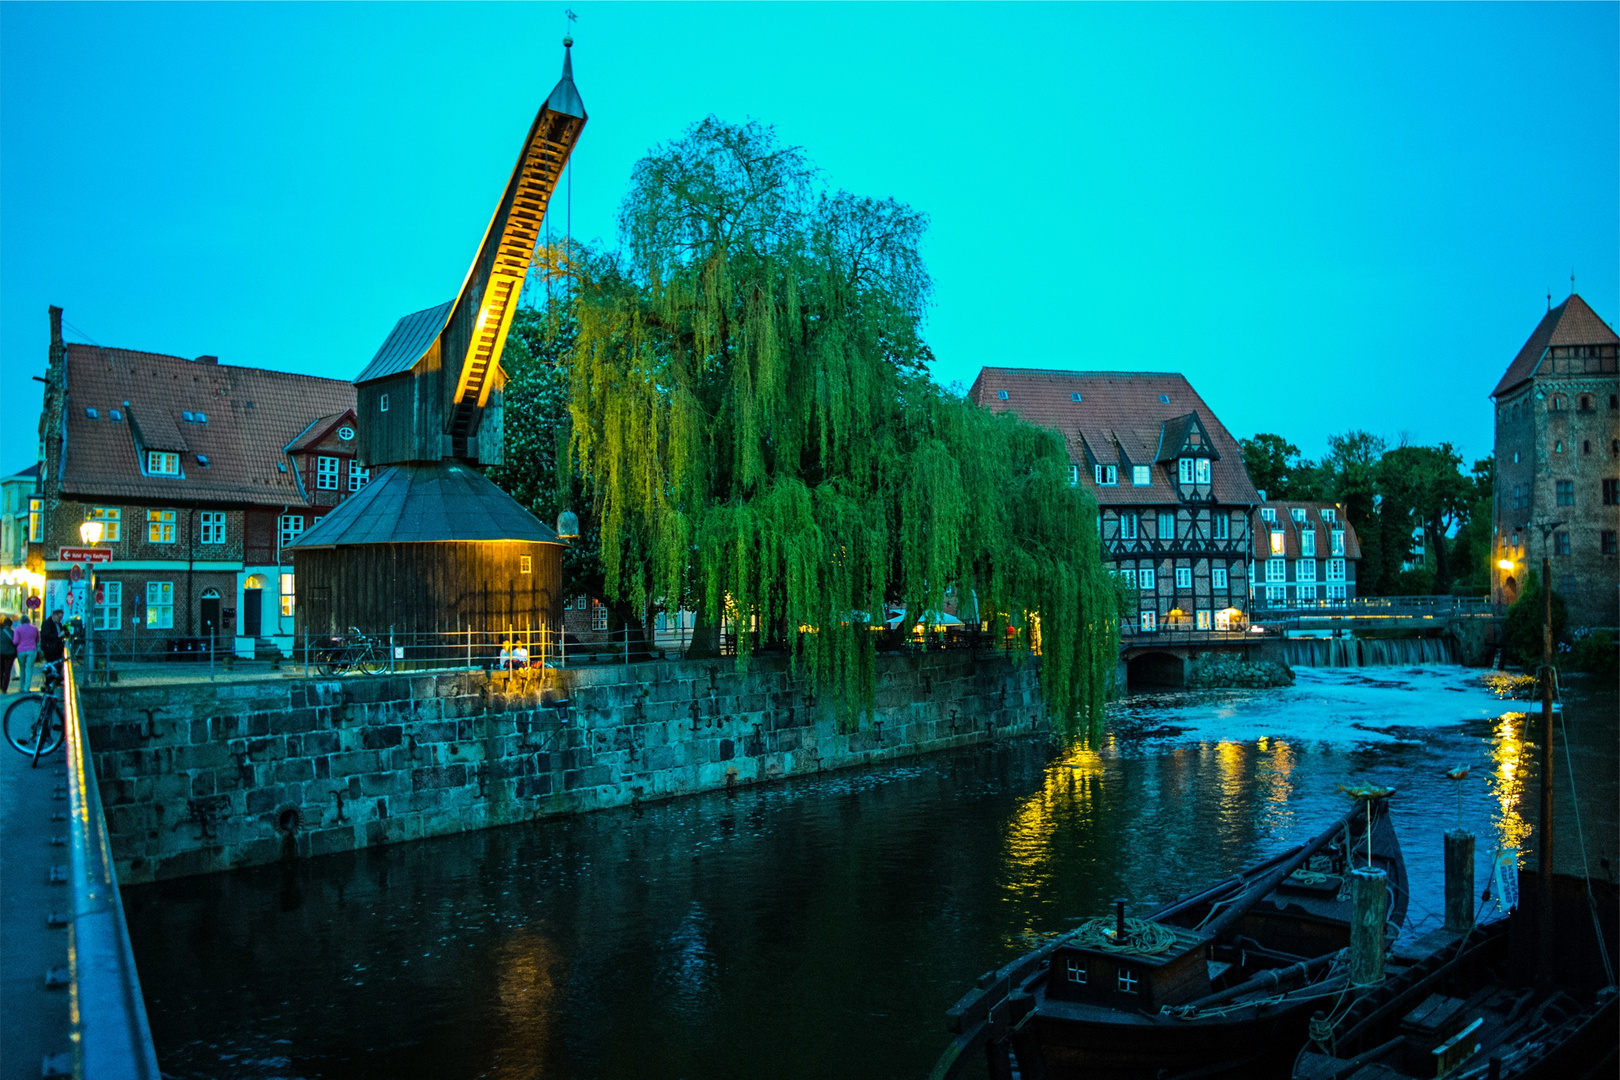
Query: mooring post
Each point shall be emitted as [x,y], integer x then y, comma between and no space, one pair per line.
[1369,908]
[1546,934]
[1459,881]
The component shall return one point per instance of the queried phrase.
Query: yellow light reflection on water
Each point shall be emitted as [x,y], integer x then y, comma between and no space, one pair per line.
[1508,762]
[1066,801]
[526,1006]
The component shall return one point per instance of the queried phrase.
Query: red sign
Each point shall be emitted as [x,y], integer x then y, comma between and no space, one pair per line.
[75,573]
[32,602]
[72,554]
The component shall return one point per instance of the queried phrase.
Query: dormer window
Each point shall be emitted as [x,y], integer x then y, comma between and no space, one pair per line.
[1107,475]
[1329,514]
[1298,514]
[202,459]
[162,463]
[115,416]
[1186,464]
[1142,475]
[1276,541]
[1268,514]
[1307,543]
[1336,539]
[1074,476]
[92,414]
[1201,470]
[1001,395]
[1164,399]
[326,473]
[199,418]
[185,414]
[1076,398]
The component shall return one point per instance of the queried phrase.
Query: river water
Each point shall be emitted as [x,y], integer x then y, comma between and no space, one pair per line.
[819,927]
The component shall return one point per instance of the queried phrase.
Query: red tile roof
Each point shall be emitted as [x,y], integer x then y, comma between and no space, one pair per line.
[317,430]
[248,414]
[1570,323]
[1135,417]
[1291,530]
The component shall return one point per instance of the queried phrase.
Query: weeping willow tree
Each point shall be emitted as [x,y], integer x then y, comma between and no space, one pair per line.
[751,412]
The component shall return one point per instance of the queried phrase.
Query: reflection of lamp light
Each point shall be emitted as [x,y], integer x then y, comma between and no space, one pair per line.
[90,532]
[1506,564]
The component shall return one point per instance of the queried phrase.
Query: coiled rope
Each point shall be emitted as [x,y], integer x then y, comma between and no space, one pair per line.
[1141,936]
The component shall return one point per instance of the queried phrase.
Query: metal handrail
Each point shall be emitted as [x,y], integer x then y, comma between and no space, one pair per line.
[111,1038]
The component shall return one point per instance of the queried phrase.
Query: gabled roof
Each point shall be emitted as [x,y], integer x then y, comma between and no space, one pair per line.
[1291,530]
[1571,323]
[317,430]
[1185,433]
[427,503]
[30,473]
[407,343]
[1124,418]
[250,415]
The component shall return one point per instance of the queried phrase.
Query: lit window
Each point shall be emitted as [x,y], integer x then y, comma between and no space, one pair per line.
[212,527]
[1336,542]
[1074,476]
[599,615]
[1217,577]
[1304,569]
[1186,464]
[292,525]
[525,564]
[160,526]
[162,463]
[359,477]
[1307,542]
[36,520]
[1561,543]
[159,605]
[1221,526]
[109,613]
[1223,620]
[111,518]
[1276,569]
[1141,475]
[326,473]
[1127,981]
[345,433]
[1076,970]
[1276,541]
[1146,577]
[1001,395]
[1150,621]
[1183,577]
[1202,620]
[1566,492]
[288,594]
[1201,470]
[1335,569]
[1107,474]
[1127,526]
[1167,526]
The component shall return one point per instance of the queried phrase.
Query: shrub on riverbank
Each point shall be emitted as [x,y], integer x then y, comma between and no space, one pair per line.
[1214,670]
[1594,652]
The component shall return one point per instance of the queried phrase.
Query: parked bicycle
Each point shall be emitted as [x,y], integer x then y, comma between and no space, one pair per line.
[357,652]
[34,723]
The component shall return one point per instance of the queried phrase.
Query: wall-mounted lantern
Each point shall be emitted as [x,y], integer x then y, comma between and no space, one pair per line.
[568,525]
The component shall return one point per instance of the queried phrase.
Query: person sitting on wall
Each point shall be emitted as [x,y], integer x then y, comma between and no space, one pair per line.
[520,656]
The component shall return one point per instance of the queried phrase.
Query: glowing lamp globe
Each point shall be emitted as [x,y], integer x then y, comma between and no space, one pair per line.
[1505,564]
[90,532]
[568,525]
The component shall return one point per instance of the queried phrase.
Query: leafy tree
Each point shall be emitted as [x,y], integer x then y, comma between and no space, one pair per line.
[1472,548]
[1350,475]
[1423,490]
[759,439]
[1526,616]
[1275,466]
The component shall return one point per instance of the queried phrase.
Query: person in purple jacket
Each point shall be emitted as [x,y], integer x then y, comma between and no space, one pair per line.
[25,635]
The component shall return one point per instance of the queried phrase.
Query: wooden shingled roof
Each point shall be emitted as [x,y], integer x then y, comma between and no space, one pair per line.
[1571,323]
[425,504]
[1121,418]
[241,418]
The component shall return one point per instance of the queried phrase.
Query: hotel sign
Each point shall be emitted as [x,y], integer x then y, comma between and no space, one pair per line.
[84,554]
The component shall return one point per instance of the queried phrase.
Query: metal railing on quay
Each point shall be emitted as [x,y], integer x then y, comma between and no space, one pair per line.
[111,1038]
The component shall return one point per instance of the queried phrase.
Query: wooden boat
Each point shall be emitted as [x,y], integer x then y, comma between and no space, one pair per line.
[1219,983]
[1469,1010]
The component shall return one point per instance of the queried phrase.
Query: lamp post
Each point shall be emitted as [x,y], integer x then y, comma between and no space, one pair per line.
[90,532]
[1546,934]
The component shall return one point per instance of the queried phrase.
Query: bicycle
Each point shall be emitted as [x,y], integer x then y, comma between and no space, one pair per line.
[35,723]
[361,653]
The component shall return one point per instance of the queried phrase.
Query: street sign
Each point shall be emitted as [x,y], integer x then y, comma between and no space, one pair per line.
[101,595]
[33,602]
[75,573]
[84,554]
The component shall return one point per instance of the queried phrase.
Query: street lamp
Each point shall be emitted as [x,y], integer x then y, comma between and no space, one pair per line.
[90,532]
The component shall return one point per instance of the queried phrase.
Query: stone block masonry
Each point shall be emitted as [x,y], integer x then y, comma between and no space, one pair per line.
[203,777]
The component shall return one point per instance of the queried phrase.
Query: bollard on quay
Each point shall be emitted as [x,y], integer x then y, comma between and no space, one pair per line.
[1459,881]
[1369,908]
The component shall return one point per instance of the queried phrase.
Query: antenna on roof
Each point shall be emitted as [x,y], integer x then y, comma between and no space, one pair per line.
[1549,299]
[1572,281]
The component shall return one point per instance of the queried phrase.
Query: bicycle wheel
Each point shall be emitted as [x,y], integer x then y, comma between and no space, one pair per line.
[51,730]
[24,722]
[373,664]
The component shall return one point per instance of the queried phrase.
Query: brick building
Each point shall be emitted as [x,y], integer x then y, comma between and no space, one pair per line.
[1175,500]
[1558,461]
[1305,553]
[199,473]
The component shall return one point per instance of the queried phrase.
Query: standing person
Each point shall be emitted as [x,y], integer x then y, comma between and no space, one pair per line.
[25,636]
[8,655]
[51,638]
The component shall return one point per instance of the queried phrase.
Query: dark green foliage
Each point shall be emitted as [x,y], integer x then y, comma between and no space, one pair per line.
[1423,489]
[750,411]
[1595,653]
[1471,549]
[1525,617]
[1277,469]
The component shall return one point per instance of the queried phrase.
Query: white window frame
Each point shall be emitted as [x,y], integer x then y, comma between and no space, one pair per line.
[1298,514]
[1336,542]
[1268,514]
[1128,526]
[1074,475]
[359,476]
[1329,514]
[161,526]
[1201,619]
[1305,593]
[36,520]
[1163,515]
[162,463]
[1220,526]
[1335,570]
[1217,577]
[289,527]
[326,473]
[1223,619]
[1304,569]
[1107,475]
[1150,621]
[1201,470]
[1336,592]
[1307,542]
[1130,577]
[1142,475]
[211,527]
[1183,577]
[112,522]
[160,605]
[1185,470]
[287,587]
[1145,578]
[599,615]
[1075,970]
[1276,570]
[1278,544]
[1277,595]
[109,614]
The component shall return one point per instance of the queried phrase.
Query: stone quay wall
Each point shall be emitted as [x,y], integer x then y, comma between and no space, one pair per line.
[203,777]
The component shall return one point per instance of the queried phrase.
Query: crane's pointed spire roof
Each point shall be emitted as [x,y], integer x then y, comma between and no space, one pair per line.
[564,97]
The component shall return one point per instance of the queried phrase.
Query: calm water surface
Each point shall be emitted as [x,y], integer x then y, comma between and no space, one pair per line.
[817,927]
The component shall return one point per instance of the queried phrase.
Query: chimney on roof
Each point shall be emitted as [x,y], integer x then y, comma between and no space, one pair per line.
[1262,495]
[206,360]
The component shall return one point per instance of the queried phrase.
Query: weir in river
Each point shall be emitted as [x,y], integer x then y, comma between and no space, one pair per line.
[1341,652]
[818,926]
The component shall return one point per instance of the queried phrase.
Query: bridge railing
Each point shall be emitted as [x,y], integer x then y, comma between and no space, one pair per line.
[110,1033]
[1376,607]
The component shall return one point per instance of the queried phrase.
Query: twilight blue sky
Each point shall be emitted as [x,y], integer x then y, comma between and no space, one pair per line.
[1327,216]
